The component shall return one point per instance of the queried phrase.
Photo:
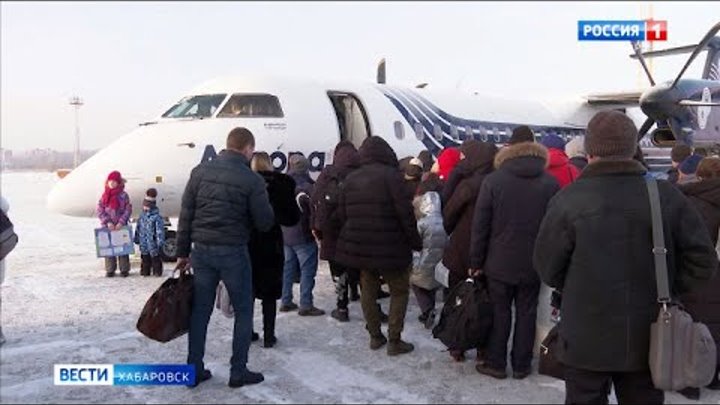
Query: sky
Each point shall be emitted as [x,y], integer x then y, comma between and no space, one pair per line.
[130,61]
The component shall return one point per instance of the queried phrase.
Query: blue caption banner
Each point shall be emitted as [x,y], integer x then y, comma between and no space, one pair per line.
[124,374]
[153,374]
[611,30]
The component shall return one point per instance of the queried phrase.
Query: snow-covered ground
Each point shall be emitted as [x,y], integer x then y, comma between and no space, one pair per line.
[57,307]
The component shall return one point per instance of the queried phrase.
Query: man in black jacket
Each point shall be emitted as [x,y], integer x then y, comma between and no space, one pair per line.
[595,245]
[223,200]
[378,235]
[510,206]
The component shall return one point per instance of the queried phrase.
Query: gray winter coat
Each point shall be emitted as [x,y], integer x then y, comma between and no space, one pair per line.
[428,211]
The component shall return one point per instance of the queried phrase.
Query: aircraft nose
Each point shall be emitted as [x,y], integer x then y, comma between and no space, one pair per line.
[73,197]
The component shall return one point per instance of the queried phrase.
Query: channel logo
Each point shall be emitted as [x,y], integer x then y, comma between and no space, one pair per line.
[622,30]
[124,374]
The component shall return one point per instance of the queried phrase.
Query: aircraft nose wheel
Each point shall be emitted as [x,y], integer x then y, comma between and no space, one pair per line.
[169,250]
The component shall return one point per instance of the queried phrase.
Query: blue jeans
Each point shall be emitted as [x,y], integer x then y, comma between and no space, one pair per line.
[306,256]
[231,264]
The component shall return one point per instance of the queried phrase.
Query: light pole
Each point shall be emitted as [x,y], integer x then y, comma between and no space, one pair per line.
[77,102]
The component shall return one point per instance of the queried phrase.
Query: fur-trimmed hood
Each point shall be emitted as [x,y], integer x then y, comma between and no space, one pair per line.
[523,149]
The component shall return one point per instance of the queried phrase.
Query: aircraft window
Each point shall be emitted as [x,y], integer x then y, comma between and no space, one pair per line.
[454,132]
[437,132]
[399,130]
[496,134]
[195,106]
[419,134]
[252,105]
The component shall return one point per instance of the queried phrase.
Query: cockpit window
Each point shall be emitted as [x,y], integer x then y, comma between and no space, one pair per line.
[195,106]
[252,105]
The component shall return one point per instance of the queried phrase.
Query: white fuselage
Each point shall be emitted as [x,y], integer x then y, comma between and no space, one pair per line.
[161,154]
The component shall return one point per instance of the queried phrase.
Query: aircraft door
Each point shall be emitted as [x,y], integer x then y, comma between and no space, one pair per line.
[353,123]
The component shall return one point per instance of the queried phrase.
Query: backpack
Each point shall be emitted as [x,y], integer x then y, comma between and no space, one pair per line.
[467,316]
[8,237]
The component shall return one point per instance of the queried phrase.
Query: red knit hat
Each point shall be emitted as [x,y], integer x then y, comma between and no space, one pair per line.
[447,160]
[115,175]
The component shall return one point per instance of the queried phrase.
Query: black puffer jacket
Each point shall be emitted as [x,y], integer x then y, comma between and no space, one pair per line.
[595,244]
[459,208]
[266,248]
[301,233]
[379,230]
[223,201]
[508,212]
[704,303]
[325,220]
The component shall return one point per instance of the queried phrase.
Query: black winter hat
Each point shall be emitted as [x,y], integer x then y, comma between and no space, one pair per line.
[521,134]
[611,134]
[150,198]
[426,158]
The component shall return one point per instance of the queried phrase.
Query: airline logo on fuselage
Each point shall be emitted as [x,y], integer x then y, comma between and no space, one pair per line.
[278,158]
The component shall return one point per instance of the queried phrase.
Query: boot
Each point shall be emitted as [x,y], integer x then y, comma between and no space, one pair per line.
[341,315]
[690,393]
[202,377]
[397,347]
[255,337]
[269,308]
[492,372]
[312,311]
[269,341]
[145,264]
[457,355]
[157,266]
[247,378]
[377,342]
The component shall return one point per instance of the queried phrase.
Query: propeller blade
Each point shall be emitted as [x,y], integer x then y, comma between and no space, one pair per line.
[645,128]
[641,58]
[700,47]
[694,103]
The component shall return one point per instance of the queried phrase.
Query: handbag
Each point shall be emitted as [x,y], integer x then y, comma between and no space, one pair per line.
[166,314]
[682,352]
[222,301]
[548,364]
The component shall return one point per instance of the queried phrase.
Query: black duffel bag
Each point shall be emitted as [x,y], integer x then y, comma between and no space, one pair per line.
[467,316]
[166,314]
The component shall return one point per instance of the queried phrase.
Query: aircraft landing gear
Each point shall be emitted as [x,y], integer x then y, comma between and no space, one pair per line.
[169,250]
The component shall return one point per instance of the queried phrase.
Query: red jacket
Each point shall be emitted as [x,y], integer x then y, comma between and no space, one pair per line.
[560,167]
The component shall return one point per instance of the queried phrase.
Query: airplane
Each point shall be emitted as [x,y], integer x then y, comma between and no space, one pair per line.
[289,116]
[682,110]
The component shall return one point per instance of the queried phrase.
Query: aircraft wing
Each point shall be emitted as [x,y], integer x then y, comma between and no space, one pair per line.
[622,98]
